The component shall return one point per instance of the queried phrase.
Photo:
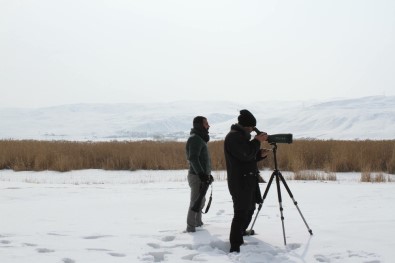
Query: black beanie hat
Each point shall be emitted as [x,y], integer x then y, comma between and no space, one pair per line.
[246,119]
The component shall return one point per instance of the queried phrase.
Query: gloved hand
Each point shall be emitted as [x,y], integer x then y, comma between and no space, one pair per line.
[204,177]
[258,199]
[211,179]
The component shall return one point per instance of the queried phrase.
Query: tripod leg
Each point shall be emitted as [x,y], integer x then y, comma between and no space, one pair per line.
[263,200]
[253,223]
[281,205]
[268,186]
[295,203]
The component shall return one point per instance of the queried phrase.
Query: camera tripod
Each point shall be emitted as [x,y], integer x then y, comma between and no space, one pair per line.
[279,177]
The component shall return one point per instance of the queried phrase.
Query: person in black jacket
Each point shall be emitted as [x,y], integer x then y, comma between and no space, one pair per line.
[199,167]
[242,155]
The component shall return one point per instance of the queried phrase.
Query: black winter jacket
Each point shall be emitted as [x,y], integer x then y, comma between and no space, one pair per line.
[241,155]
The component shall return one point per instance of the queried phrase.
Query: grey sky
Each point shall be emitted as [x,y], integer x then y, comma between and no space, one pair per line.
[66,51]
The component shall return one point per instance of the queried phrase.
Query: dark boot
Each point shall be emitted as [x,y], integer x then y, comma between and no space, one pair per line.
[190,229]
[235,249]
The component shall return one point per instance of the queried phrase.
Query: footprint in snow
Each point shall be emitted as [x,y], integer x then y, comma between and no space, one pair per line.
[55,234]
[321,258]
[44,250]
[30,244]
[293,246]
[220,212]
[96,237]
[156,256]
[168,238]
[154,245]
[117,254]
[68,260]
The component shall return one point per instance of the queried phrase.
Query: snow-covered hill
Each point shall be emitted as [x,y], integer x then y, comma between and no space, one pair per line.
[360,118]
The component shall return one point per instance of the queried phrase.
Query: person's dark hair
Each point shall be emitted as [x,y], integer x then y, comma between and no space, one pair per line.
[199,129]
[198,122]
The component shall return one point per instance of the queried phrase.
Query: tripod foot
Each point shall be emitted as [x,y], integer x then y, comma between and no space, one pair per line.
[250,232]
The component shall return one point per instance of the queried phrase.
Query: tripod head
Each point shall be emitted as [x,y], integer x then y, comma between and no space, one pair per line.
[274,149]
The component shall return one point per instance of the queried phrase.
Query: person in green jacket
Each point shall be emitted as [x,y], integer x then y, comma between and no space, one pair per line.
[199,167]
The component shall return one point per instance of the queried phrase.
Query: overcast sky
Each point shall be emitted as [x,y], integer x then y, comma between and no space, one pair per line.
[94,51]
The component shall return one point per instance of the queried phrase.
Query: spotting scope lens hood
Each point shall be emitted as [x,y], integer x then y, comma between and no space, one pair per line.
[277,138]
[280,138]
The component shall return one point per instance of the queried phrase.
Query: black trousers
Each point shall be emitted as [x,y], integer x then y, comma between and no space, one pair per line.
[240,222]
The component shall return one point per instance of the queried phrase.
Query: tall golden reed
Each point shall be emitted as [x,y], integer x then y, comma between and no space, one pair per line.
[329,156]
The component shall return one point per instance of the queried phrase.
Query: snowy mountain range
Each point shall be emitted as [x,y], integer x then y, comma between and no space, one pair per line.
[348,119]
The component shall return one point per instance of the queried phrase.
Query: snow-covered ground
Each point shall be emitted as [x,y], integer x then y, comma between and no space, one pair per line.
[110,216]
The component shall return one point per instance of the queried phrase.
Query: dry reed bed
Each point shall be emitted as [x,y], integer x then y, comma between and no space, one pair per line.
[330,156]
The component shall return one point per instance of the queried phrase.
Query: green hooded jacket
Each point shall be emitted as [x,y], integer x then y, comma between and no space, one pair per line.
[197,154]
